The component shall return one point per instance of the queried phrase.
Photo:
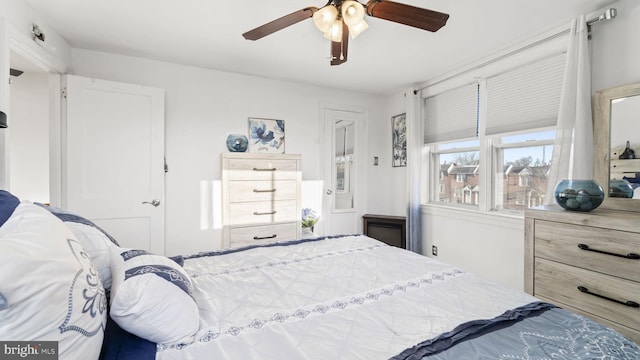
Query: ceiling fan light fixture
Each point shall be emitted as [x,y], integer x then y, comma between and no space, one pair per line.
[325,17]
[352,12]
[335,31]
[338,19]
[357,29]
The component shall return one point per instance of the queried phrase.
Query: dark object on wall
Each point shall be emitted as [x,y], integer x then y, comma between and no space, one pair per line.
[391,230]
[628,153]
[237,143]
[3,120]
[399,140]
[15,72]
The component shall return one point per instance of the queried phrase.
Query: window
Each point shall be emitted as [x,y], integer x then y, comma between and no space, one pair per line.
[458,172]
[451,120]
[502,161]
[522,167]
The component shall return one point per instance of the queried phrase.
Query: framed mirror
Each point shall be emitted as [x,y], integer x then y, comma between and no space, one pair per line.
[616,120]
[344,164]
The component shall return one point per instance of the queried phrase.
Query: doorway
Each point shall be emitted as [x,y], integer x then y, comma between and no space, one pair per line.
[29,130]
[343,167]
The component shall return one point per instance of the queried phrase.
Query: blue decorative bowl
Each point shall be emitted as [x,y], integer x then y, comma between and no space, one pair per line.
[237,143]
[620,189]
[579,195]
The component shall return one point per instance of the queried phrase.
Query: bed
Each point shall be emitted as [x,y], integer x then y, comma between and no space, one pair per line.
[336,297]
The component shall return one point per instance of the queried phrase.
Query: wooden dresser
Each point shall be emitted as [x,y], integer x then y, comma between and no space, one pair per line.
[260,198]
[586,262]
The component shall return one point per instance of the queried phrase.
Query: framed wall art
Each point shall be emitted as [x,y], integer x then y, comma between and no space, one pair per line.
[266,135]
[399,141]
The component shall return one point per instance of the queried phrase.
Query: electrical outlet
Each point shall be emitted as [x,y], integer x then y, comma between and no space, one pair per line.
[434,250]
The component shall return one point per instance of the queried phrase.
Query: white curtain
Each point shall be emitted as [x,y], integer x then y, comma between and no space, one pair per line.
[573,146]
[414,162]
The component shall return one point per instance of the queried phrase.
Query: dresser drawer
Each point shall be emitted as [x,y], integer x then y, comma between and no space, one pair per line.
[263,234]
[262,169]
[242,191]
[263,212]
[563,242]
[560,282]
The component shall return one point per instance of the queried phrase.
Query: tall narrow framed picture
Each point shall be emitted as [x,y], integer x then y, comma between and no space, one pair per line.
[399,140]
[266,135]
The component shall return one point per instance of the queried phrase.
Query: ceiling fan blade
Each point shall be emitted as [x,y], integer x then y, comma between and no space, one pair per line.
[280,23]
[407,15]
[339,50]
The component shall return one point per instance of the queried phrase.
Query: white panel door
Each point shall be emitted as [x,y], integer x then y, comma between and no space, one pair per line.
[114,159]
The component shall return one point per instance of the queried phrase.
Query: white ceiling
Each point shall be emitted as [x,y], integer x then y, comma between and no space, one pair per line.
[384,59]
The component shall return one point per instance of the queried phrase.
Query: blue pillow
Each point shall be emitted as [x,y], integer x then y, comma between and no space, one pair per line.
[8,203]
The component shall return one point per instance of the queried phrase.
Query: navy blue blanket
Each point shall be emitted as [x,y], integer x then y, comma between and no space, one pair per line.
[8,203]
[535,331]
[119,344]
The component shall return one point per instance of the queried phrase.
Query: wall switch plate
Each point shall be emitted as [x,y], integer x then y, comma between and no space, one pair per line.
[375,161]
[434,250]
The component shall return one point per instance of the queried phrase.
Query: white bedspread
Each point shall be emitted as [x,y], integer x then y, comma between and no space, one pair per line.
[349,297]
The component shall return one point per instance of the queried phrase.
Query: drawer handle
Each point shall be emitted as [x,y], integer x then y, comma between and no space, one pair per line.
[264,213]
[264,191]
[265,237]
[632,256]
[264,169]
[629,303]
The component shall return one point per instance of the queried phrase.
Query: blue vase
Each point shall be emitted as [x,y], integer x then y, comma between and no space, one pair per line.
[579,195]
[620,189]
[237,143]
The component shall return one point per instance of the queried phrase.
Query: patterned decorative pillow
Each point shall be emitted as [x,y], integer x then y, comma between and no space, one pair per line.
[49,288]
[95,241]
[151,297]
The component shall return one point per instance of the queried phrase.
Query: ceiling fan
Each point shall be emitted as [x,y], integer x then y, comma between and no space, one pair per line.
[338,19]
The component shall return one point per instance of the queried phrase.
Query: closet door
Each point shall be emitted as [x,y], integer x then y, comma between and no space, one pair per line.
[113,161]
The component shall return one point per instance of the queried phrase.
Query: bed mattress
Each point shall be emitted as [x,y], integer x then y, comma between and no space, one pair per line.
[346,297]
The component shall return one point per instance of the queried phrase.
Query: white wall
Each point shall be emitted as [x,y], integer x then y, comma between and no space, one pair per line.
[615,48]
[615,57]
[202,108]
[29,140]
[388,193]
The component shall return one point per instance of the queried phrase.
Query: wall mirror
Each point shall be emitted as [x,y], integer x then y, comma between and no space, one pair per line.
[617,120]
[344,164]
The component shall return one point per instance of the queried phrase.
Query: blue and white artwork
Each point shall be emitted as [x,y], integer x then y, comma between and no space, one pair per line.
[266,135]
[399,131]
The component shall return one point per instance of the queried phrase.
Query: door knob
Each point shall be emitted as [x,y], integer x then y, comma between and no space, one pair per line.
[154,202]
[329,192]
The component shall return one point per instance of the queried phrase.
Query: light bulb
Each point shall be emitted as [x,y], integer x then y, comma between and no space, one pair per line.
[352,12]
[334,33]
[325,17]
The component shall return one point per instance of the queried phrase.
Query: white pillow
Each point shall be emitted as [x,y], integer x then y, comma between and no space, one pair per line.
[151,297]
[98,246]
[49,289]
[95,241]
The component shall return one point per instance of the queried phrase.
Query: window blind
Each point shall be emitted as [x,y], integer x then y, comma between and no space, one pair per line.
[527,97]
[451,115]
